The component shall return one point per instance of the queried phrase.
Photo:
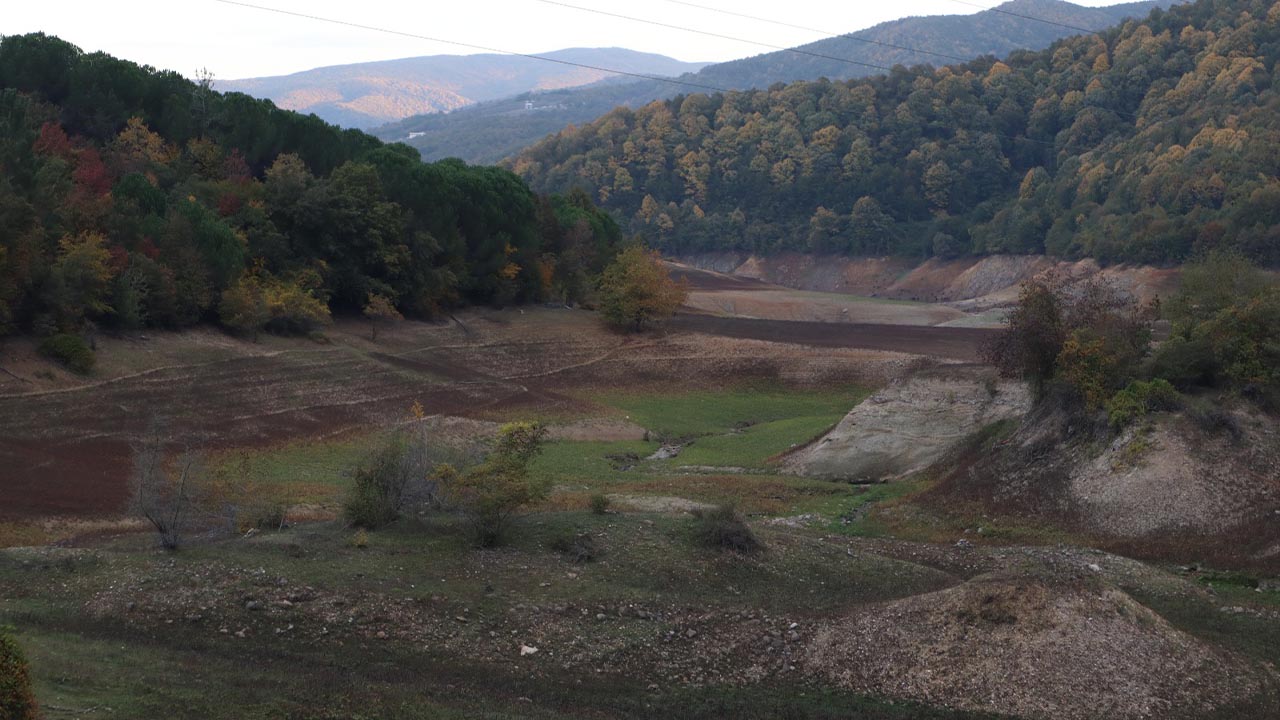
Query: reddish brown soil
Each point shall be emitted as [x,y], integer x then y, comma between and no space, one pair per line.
[66,451]
[947,342]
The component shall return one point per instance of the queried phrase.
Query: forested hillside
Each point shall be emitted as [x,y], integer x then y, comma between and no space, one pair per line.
[491,131]
[131,198]
[1149,142]
[363,95]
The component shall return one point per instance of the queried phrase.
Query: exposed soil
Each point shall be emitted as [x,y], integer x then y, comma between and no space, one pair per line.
[956,343]
[1165,488]
[1033,647]
[911,424]
[970,283]
[66,442]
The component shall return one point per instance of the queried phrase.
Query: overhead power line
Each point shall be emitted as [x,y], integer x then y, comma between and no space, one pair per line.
[671,81]
[707,33]
[845,36]
[1025,17]
[472,46]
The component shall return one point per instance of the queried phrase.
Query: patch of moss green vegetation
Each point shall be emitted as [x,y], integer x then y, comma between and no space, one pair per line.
[589,463]
[852,515]
[317,462]
[683,415]
[752,447]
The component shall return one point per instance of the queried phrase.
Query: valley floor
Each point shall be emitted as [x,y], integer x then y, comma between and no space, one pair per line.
[871,599]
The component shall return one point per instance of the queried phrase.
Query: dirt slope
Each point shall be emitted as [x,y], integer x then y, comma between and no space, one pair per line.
[1170,486]
[1033,647]
[971,283]
[910,424]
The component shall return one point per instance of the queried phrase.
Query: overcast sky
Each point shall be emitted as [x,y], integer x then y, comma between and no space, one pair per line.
[237,42]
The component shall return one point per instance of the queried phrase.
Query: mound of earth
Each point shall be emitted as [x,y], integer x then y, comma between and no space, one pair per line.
[1035,648]
[910,424]
[1169,485]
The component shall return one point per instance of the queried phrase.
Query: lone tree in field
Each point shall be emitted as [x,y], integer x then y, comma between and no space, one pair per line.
[379,309]
[637,289]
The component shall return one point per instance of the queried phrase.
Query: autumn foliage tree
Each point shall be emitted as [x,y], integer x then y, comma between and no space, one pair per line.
[637,289]
[135,198]
[379,310]
[16,699]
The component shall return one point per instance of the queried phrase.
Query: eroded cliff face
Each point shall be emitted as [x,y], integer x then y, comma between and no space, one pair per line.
[970,283]
[911,424]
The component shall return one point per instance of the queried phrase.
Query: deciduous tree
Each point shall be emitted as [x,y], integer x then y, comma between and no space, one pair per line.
[637,289]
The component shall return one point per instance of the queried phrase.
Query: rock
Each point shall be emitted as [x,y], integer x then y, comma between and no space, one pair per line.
[461,619]
[1095,567]
[382,635]
[963,544]
[527,650]
[600,616]
[691,633]
[666,452]
[252,605]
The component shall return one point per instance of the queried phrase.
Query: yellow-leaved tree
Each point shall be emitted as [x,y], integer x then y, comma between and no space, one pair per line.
[637,289]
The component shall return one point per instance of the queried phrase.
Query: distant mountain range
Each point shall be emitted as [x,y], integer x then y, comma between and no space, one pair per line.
[489,131]
[365,95]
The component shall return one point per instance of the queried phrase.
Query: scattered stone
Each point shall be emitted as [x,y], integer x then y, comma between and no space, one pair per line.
[252,605]
[666,452]
[963,544]
[527,650]
[461,619]
[691,633]
[1095,567]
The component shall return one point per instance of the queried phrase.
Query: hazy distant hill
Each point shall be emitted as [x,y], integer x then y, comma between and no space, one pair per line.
[488,132]
[364,95]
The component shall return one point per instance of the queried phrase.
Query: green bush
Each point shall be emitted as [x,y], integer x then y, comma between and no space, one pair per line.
[599,503]
[16,700]
[70,350]
[1139,398]
[491,493]
[724,528]
[1186,362]
[378,487]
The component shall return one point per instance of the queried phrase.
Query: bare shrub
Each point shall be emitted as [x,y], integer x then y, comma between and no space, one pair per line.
[580,547]
[724,528]
[398,477]
[169,492]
